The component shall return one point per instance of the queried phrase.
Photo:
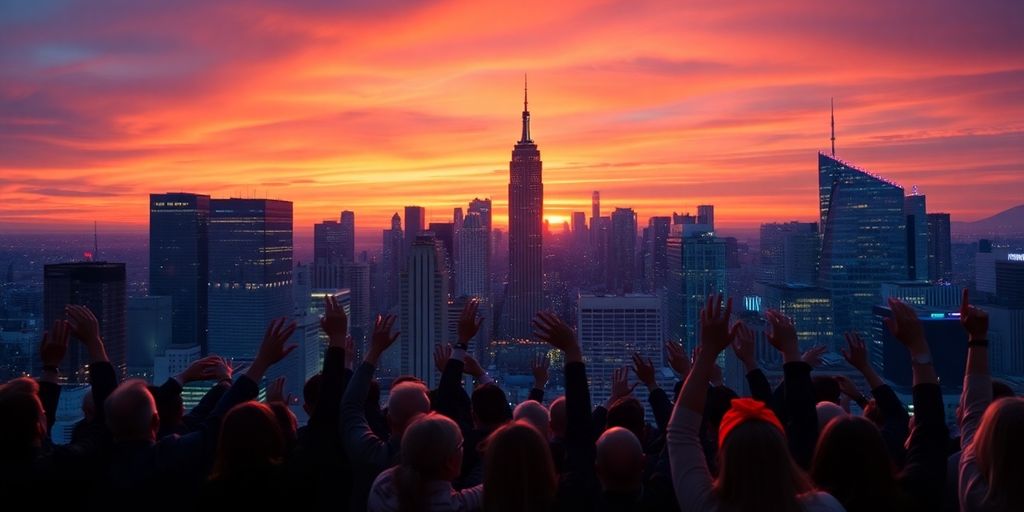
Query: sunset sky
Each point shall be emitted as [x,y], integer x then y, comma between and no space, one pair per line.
[372,105]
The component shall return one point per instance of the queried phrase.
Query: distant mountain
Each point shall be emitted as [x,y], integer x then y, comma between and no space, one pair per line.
[1005,224]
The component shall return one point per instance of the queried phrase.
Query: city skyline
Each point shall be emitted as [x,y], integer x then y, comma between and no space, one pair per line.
[714,105]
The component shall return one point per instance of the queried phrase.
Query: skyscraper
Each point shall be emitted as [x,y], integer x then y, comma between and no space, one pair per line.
[391,261]
[424,311]
[917,236]
[864,240]
[789,253]
[471,277]
[327,241]
[415,223]
[483,208]
[656,261]
[348,236]
[595,209]
[250,272]
[706,215]
[100,286]
[525,238]
[696,269]
[148,328]
[179,262]
[940,248]
[621,268]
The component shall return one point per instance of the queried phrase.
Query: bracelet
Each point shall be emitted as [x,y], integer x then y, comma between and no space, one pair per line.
[977,343]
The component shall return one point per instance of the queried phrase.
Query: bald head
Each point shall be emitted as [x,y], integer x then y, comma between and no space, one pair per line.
[131,412]
[406,401]
[535,414]
[620,460]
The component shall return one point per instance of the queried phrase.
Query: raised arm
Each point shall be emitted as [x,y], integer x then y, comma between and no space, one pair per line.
[745,349]
[362,445]
[539,367]
[332,383]
[86,328]
[51,350]
[656,397]
[222,374]
[976,397]
[691,478]
[798,390]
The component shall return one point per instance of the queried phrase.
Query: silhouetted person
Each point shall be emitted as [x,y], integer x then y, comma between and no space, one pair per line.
[519,474]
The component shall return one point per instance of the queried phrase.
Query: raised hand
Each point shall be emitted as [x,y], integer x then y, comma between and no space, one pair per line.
[813,355]
[206,368]
[847,387]
[275,391]
[473,367]
[469,324]
[539,366]
[715,377]
[644,370]
[86,328]
[905,326]
[222,370]
[552,330]
[857,353]
[714,326]
[620,384]
[974,319]
[782,335]
[442,353]
[744,347]
[54,344]
[334,322]
[382,338]
[272,350]
[677,358]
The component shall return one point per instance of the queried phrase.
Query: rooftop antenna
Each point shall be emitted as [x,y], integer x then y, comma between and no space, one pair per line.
[833,112]
[95,242]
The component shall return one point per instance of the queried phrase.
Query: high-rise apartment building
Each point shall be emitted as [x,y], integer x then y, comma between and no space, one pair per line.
[179,262]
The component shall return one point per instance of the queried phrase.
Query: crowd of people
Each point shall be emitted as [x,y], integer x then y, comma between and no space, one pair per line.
[793,448]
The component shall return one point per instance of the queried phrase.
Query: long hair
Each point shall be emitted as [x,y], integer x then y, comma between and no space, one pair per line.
[999,449]
[756,471]
[250,440]
[852,464]
[428,444]
[519,474]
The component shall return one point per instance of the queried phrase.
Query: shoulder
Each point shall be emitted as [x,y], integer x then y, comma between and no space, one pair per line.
[820,502]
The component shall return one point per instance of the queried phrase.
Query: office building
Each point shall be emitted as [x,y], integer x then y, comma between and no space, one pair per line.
[946,340]
[348,236]
[1006,339]
[696,269]
[327,241]
[391,263]
[810,308]
[656,253]
[940,248]
[706,215]
[918,293]
[149,333]
[100,286]
[917,236]
[424,309]
[471,276]
[525,234]
[179,261]
[985,265]
[621,268]
[789,253]
[415,223]
[864,241]
[1010,280]
[250,272]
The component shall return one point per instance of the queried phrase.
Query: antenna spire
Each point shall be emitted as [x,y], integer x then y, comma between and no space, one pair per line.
[526,114]
[525,102]
[833,114]
[95,242]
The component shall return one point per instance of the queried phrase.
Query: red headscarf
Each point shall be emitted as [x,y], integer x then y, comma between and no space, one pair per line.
[742,411]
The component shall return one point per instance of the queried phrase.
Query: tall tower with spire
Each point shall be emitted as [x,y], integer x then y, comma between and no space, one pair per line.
[525,229]
[832,111]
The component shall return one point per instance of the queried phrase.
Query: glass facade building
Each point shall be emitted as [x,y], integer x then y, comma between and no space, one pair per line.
[179,255]
[696,269]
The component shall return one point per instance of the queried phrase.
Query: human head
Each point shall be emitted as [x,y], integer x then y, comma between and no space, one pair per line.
[24,420]
[851,463]
[169,406]
[828,411]
[1000,453]
[431,451]
[532,412]
[490,406]
[286,420]
[558,417]
[756,470]
[131,412]
[826,389]
[250,438]
[519,473]
[620,460]
[406,401]
[627,412]
[311,393]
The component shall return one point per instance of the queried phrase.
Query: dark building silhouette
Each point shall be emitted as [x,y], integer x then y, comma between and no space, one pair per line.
[525,233]
[940,248]
[100,286]
[656,253]
[789,253]
[250,272]
[621,268]
[391,261]
[179,262]
[348,236]
[415,223]
[327,241]
[917,236]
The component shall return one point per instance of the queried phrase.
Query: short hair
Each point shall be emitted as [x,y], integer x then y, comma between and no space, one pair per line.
[627,412]
[130,410]
[534,413]
[22,414]
[20,385]
[490,405]
[828,411]
[826,389]
[311,391]
[406,401]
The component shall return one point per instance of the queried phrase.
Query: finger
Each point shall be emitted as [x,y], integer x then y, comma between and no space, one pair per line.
[394,337]
[288,350]
[635,384]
